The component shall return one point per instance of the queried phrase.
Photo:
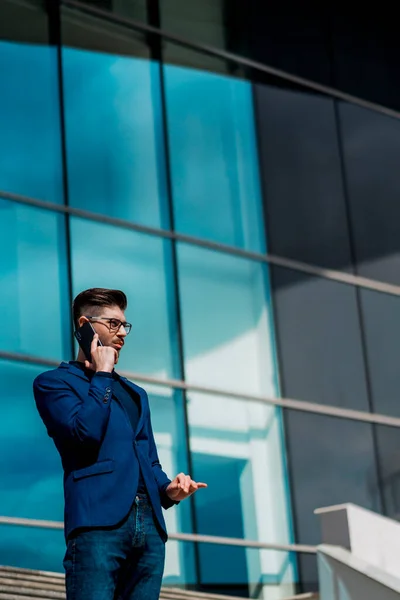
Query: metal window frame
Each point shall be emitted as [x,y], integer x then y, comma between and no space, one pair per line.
[272,259]
[289,403]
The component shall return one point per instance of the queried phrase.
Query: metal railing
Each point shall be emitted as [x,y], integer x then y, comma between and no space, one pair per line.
[180,537]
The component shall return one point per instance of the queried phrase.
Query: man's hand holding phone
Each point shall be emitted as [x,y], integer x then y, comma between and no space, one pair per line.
[104,358]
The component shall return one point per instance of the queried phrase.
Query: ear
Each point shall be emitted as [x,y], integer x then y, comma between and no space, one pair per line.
[82,320]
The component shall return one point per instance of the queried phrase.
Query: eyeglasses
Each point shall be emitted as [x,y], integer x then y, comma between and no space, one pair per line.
[114,325]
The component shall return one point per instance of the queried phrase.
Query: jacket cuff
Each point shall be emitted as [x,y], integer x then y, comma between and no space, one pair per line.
[166,501]
[103,374]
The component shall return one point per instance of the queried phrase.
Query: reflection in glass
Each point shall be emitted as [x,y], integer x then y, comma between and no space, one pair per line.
[237,449]
[31,161]
[332,461]
[214,159]
[302,176]
[201,22]
[388,444]
[35,310]
[24,21]
[114,138]
[133,9]
[31,474]
[106,256]
[318,329]
[371,146]
[168,421]
[207,28]
[228,334]
[380,314]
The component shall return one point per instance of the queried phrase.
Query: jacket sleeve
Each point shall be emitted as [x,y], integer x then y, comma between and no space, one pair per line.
[161,477]
[68,417]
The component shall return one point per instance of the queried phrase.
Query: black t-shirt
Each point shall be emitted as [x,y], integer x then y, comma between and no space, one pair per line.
[130,401]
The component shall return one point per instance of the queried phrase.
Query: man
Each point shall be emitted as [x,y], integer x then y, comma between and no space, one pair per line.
[114,485]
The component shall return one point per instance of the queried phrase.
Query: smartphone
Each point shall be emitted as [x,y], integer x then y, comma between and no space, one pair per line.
[85,335]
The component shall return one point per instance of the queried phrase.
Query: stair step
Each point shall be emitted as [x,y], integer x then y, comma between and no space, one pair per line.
[19,597]
[25,581]
[33,593]
[31,585]
[20,570]
[27,584]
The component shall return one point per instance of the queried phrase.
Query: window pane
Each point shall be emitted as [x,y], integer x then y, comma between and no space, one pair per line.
[201,22]
[371,150]
[115,149]
[168,421]
[388,444]
[318,330]
[365,55]
[236,447]
[80,30]
[332,461]
[30,474]
[237,582]
[133,9]
[302,176]
[140,265]
[226,318]
[35,301]
[195,59]
[382,338]
[31,163]
[23,21]
[214,159]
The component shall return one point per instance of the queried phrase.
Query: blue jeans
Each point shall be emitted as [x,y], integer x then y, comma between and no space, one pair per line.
[125,562]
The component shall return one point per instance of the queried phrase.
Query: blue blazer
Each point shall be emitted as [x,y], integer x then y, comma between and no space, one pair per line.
[98,447]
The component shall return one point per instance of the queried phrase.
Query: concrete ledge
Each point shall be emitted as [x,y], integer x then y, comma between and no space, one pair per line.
[370,537]
[345,577]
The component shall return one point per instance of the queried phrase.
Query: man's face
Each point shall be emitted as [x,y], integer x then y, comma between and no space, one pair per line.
[109,334]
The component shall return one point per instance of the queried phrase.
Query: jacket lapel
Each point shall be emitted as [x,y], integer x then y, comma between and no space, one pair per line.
[141,393]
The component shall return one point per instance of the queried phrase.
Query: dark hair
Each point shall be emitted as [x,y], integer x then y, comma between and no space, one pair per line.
[97,298]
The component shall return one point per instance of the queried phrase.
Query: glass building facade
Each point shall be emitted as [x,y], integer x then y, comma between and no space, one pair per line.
[252,222]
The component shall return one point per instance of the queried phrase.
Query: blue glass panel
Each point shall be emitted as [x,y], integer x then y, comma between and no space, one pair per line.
[30,162]
[227,321]
[237,448]
[214,160]
[35,311]
[114,136]
[237,445]
[30,474]
[168,422]
[106,256]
